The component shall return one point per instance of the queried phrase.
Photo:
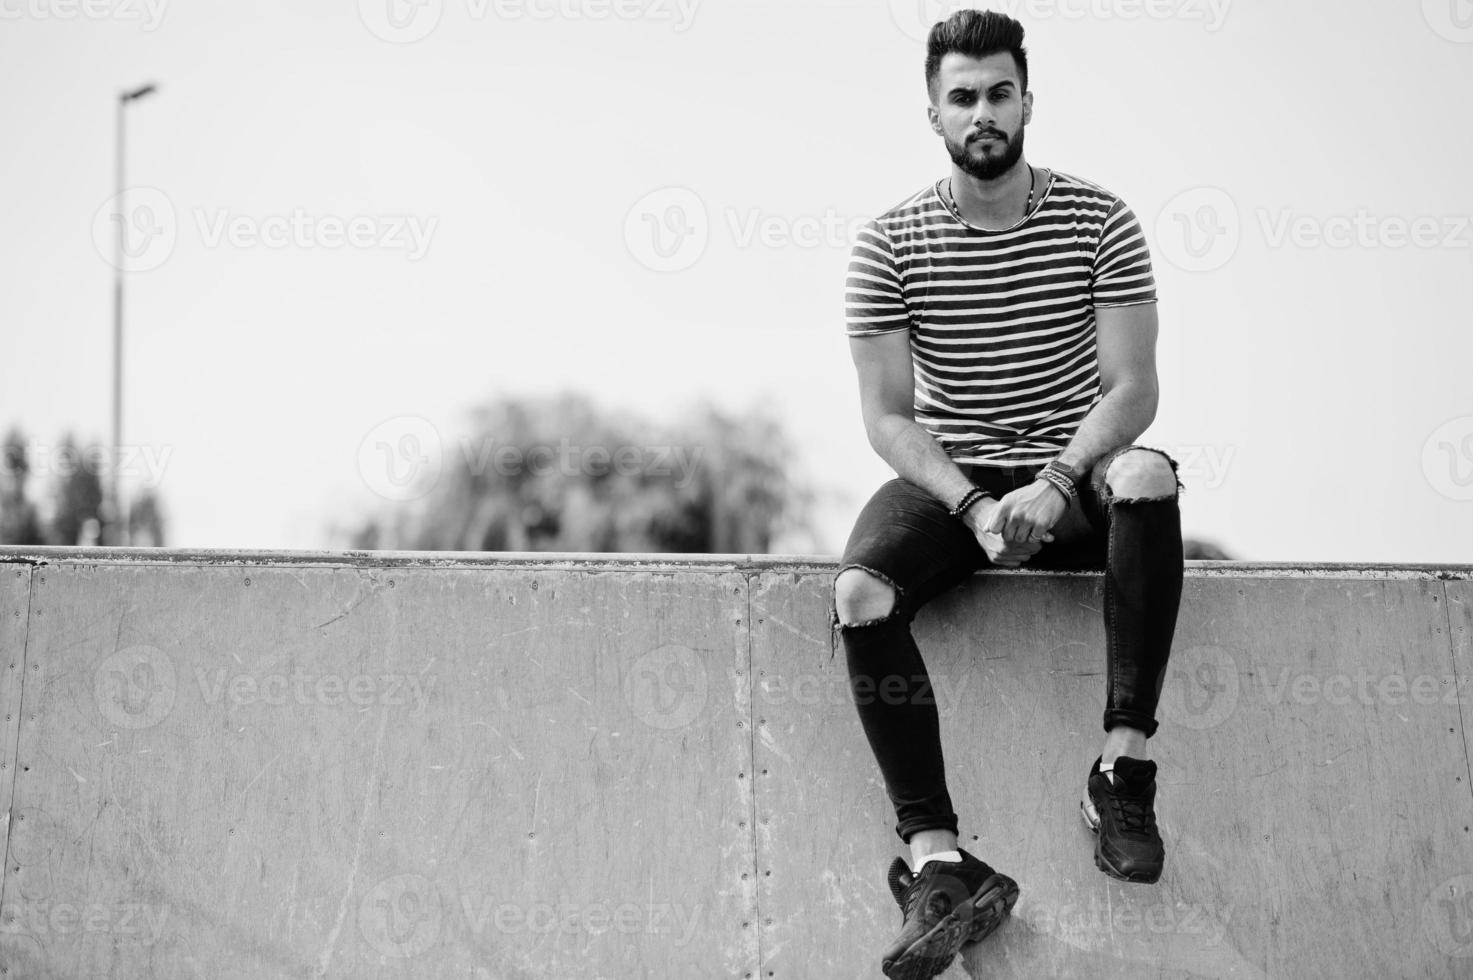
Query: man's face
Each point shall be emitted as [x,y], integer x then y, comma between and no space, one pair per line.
[980,111]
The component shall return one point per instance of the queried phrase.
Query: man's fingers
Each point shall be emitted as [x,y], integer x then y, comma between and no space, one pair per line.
[1019,552]
[997,519]
[1021,530]
[1030,529]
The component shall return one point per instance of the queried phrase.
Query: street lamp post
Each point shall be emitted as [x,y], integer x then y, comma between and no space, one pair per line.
[118,529]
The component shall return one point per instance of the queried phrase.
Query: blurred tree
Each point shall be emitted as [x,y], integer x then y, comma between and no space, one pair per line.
[18,521]
[1196,549]
[558,474]
[146,521]
[77,494]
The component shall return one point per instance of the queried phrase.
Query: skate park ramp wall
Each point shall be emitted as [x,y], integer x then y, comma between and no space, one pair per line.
[503,767]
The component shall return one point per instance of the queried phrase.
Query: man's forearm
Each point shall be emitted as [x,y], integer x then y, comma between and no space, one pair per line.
[915,455]
[1117,420]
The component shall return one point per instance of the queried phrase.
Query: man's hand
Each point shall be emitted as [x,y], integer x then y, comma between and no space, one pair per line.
[1003,553]
[1013,529]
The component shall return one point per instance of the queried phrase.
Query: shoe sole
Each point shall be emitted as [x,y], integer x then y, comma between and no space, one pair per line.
[933,952]
[1092,821]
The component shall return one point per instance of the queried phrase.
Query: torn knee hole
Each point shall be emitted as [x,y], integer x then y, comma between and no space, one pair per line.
[864,597]
[1144,474]
[868,622]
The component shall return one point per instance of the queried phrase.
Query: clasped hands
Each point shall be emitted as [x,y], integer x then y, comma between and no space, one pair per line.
[1013,529]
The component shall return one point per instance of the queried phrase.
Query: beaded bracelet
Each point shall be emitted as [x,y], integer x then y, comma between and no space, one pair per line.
[972,496]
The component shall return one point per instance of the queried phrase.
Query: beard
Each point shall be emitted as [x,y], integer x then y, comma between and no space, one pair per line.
[993,163]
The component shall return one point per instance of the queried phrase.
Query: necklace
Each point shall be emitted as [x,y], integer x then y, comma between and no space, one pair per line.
[1032,178]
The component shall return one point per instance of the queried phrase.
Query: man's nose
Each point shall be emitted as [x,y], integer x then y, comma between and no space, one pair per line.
[983,118]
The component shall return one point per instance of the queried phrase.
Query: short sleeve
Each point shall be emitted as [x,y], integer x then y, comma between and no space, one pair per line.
[873,300]
[1122,271]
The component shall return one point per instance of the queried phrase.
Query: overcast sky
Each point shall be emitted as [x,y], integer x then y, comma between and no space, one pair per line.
[353,221]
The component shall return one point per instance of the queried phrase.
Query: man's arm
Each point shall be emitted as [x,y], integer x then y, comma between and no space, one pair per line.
[1125,337]
[887,402]
[1126,340]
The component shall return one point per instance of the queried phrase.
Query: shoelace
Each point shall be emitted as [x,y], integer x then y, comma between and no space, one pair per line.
[913,898]
[1134,816]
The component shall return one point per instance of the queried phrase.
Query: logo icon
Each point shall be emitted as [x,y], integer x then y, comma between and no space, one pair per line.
[1447,916]
[400,916]
[400,21]
[1447,459]
[1201,689]
[401,458]
[142,221]
[1451,19]
[667,230]
[666,688]
[135,688]
[1199,230]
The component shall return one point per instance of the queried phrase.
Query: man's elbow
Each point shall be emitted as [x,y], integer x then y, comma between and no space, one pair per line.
[1141,397]
[880,428]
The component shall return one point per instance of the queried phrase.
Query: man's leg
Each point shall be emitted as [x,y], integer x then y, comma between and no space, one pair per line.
[902,725]
[1133,496]
[904,550]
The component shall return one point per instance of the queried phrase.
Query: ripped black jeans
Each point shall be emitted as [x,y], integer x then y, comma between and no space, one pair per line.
[909,540]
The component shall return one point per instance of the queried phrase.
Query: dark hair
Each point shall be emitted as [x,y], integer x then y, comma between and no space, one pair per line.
[977,34]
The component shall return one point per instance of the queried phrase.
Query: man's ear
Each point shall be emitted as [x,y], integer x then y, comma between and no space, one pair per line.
[1027,107]
[934,117]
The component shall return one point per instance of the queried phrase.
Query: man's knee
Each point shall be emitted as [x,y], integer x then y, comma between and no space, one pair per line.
[1141,474]
[862,596]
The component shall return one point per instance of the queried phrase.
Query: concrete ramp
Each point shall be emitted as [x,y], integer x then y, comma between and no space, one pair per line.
[492,767]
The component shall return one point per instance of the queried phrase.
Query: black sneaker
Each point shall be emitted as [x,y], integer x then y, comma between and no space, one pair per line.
[1123,816]
[946,906]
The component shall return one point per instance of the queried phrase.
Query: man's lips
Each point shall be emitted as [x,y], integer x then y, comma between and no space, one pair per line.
[983,137]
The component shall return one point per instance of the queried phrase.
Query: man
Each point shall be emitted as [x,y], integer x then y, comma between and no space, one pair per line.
[1003,325]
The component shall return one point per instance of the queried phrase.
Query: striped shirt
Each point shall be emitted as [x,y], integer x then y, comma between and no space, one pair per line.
[1002,324]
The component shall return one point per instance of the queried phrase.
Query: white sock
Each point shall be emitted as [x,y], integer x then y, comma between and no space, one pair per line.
[951,857]
[1108,768]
